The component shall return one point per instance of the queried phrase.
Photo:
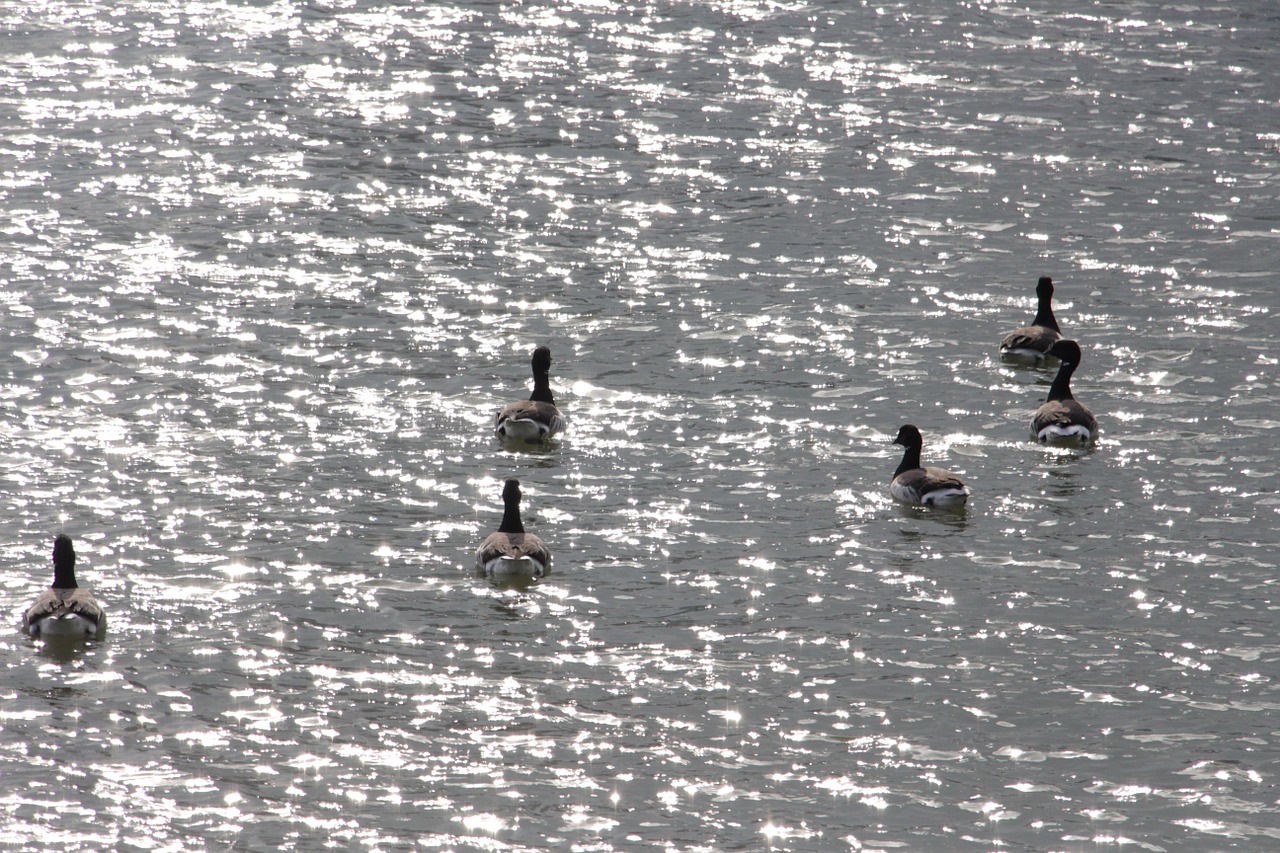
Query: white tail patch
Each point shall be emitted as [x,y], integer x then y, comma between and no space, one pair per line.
[505,567]
[945,497]
[1073,435]
[523,429]
[1023,355]
[65,625]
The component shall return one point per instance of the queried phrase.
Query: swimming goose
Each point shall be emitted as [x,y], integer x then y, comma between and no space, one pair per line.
[510,552]
[537,418]
[64,609]
[1063,419]
[914,484]
[1031,343]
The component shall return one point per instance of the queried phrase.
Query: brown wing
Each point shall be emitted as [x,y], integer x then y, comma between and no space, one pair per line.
[940,478]
[544,414]
[915,485]
[1037,338]
[1064,414]
[512,545]
[55,603]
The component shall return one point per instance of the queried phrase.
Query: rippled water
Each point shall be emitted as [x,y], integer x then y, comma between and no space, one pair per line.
[268,271]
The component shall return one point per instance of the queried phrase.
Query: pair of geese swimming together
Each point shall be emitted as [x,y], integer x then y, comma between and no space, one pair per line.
[1061,420]
[68,610]
[511,552]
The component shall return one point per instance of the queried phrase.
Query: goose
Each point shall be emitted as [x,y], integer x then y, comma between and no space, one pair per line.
[64,609]
[915,484]
[510,552]
[1031,343]
[537,418]
[1063,419]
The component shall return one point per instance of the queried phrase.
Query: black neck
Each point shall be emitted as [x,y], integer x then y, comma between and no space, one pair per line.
[511,518]
[1044,314]
[910,459]
[64,575]
[542,388]
[1061,388]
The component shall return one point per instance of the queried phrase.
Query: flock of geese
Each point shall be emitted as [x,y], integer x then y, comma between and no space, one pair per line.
[512,554]
[1061,420]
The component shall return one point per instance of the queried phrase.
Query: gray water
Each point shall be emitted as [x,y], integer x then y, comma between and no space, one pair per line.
[268,271]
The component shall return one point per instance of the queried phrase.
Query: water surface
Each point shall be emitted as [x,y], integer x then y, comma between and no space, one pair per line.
[268,271]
